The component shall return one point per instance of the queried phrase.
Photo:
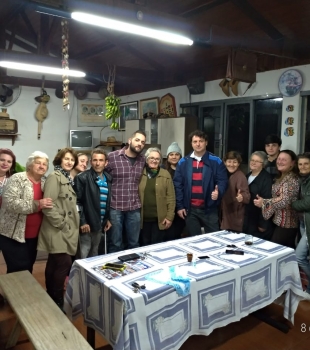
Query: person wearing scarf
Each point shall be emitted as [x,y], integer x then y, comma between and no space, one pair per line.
[157,199]
[59,231]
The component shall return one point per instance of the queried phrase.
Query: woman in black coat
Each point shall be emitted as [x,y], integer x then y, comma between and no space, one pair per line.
[260,183]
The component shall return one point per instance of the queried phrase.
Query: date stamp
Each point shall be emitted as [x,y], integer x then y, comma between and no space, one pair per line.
[304,328]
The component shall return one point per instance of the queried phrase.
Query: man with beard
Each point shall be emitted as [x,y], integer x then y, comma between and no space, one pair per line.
[126,166]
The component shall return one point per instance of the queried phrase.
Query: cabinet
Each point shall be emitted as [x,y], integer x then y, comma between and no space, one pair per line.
[164,131]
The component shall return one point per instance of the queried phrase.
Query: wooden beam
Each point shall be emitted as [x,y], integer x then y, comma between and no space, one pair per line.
[9,17]
[22,44]
[88,66]
[29,25]
[86,54]
[197,9]
[43,33]
[258,19]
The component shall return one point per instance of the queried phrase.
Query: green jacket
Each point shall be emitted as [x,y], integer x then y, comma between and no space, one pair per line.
[165,196]
[303,204]
[59,231]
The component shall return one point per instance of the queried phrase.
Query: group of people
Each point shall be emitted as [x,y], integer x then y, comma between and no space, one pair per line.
[133,199]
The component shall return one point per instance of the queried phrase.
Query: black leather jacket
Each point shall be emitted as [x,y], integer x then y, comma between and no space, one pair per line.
[88,199]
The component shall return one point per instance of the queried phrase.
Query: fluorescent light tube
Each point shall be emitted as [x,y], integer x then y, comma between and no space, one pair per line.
[131,28]
[41,69]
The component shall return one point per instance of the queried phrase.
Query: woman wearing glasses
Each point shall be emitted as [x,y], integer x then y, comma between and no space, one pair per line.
[260,183]
[157,199]
[284,191]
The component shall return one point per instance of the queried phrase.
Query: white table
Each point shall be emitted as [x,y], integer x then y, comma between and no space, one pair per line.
[223,289]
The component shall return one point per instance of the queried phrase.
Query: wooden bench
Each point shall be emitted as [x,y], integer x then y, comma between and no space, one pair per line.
[45,324]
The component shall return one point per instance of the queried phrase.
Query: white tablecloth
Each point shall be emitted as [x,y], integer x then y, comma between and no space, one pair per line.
[223,289]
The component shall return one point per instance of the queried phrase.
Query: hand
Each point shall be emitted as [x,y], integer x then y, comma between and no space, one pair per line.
[261,229]
[107,226]
[258,202]
[46,203]
[239,196]
[215,193]
[167,223]
[85,228]
[182,213]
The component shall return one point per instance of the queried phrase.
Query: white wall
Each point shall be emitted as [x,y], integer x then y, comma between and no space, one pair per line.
[58,123]
[266,85]
[56,127]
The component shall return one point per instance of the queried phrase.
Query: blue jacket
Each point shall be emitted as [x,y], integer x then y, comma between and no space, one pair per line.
[214,173]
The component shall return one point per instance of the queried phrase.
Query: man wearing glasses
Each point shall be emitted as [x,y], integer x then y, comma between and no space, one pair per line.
[126,166]
[200,182]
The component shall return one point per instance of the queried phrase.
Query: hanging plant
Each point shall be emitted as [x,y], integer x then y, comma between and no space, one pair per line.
[113,112]
[112,102]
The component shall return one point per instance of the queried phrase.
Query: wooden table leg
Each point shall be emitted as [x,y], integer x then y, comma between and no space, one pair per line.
[91,337]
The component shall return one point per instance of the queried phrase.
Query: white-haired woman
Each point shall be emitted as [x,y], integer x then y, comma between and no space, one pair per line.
[157,199]
[21,215]
[260,183]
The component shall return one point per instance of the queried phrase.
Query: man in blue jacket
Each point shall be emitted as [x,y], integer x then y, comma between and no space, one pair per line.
[200,181]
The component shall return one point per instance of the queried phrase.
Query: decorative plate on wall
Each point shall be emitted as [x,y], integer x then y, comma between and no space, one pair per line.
[290,82]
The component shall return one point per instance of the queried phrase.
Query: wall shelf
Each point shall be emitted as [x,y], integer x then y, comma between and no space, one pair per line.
[9,136]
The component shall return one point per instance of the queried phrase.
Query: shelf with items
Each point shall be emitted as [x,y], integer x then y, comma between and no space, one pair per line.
[9,136]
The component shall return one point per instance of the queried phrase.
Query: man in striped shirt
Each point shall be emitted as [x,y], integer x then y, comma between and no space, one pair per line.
[126,166]
[200,181]
[93,190]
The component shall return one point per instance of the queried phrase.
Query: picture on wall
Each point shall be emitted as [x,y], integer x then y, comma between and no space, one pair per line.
[149,106]
[167,105]
[91,112]
[128,111]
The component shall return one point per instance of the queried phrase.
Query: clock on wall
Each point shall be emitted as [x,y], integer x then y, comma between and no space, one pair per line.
[290,82]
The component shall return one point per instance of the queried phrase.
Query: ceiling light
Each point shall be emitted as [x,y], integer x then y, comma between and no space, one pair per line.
[41,69]
[131,28]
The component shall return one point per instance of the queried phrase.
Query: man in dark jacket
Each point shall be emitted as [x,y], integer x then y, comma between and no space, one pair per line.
[93,190]
[200,181]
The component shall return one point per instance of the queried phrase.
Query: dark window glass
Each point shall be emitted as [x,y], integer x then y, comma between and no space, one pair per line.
[267,120]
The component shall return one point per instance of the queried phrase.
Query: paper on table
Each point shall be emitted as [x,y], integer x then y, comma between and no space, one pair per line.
[238,258]
[203,267]
[266,245]
[170,253]
[205,244]
[234,236]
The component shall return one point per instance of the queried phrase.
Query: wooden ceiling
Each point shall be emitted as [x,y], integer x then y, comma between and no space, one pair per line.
[276,30]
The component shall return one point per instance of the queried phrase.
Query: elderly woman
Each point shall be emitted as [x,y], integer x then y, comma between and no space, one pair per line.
[21,214]
[260,183]
[81,165]
[284,191]
[236,196]
[7,168]
[157,199]
[59,231]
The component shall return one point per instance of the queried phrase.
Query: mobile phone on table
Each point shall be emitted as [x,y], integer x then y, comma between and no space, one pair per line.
[237,252]
[114,266]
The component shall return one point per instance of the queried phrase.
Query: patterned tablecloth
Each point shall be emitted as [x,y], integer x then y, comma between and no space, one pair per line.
[223,289]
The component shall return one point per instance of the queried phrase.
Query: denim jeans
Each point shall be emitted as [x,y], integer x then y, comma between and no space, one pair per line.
[197,218]
[131,221]
[89,243]
[302,252]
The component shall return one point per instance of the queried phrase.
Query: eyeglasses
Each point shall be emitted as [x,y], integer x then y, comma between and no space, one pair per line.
[152,159]
[256,161]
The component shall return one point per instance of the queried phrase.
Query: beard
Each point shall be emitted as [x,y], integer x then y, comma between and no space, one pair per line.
[134,150]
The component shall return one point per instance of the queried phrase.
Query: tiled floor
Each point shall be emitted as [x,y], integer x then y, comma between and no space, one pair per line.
[248,333]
